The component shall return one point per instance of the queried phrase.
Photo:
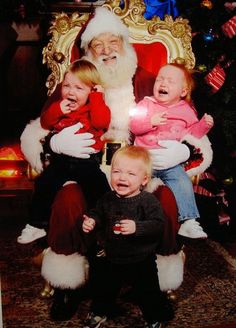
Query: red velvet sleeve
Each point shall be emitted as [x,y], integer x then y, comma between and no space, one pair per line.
[169,243]
[100,112]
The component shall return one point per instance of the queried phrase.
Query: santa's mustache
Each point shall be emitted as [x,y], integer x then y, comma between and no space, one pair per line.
[103,58]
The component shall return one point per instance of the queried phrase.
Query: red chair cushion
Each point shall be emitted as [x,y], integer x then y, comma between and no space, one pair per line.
[150,58]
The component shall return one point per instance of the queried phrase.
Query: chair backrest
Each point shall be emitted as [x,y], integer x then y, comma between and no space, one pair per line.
[156,41]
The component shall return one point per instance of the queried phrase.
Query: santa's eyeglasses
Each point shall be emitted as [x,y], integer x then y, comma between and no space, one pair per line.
[112,44]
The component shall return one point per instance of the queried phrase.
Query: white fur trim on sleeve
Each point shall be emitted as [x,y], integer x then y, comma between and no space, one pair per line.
[205,148]
[30,143]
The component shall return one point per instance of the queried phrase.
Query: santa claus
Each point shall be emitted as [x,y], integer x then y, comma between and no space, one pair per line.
[106,44]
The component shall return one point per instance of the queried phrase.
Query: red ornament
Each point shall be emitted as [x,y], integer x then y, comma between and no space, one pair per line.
[230,6]
[229,28]
[22,11]
[116,228]
[216,78]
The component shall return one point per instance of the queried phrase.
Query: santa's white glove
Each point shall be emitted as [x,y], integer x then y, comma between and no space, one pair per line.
[68,143]
[172,153]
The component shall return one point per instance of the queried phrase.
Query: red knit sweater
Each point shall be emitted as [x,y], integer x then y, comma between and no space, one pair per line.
[95,117]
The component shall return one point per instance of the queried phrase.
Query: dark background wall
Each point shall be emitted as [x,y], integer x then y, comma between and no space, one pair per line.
[23,34]
[22,77]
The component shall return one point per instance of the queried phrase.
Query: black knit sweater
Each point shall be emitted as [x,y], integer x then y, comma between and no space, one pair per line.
[145,210]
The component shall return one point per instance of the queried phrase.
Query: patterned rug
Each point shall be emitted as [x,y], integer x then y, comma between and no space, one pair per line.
[206,298]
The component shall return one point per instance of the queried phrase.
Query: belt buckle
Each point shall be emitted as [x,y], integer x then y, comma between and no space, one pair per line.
[109,150]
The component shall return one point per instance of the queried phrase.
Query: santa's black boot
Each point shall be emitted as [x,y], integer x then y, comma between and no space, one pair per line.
[65,304]
[65,270]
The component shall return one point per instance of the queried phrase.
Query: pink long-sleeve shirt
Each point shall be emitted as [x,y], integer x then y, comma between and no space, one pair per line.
[181,120]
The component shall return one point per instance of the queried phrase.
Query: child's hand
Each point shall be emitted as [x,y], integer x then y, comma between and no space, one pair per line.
[68,106]
[208,119]
[88,224]
[98,88]
[127,227]
[158,119]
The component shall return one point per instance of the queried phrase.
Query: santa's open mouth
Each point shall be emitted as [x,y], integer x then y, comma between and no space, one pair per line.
[109,58]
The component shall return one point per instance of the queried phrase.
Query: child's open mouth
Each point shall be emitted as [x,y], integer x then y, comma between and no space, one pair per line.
[122,185]
[71,100]
[163,92]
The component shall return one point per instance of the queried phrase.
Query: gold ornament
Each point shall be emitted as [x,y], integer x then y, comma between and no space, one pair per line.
[228,181]
[202,68]
[207,3]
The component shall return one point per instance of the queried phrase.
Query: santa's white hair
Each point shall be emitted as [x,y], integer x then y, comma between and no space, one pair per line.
[103,21]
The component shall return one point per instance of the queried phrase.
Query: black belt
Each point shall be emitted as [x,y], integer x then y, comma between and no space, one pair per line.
[109,149]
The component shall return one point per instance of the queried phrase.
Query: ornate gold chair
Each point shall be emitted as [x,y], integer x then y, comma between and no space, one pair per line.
[164,40]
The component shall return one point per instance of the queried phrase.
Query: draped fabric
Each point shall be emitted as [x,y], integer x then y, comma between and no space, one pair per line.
[160,8]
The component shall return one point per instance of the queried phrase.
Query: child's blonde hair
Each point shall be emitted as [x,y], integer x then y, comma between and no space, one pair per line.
[86,72]
[136,152]
[188,76]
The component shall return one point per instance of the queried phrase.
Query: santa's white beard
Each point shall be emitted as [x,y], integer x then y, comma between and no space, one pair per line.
[119,94]
[115,75]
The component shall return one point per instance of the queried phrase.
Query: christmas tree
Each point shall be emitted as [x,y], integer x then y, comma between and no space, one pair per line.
[213,24]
